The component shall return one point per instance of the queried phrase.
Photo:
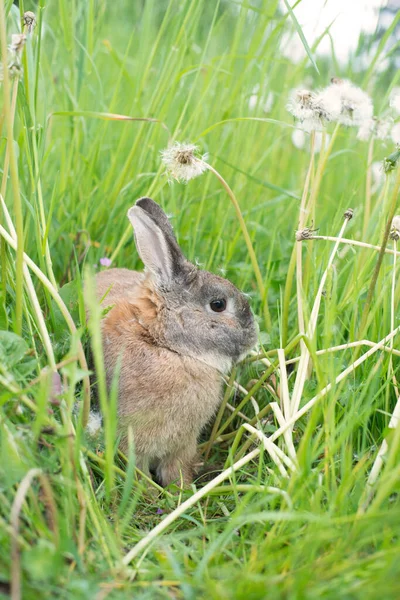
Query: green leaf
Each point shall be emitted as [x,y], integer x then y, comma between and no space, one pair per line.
[301,35]
[41,561]
[70,294]
[12,349]
[263,182]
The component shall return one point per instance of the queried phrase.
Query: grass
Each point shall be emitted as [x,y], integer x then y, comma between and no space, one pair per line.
[287,511]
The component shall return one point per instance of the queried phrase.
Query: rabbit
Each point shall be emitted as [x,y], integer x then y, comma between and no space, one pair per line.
[174,330]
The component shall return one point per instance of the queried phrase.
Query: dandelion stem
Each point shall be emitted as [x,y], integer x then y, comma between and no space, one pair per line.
[298,247]
[332,238]
[323,159]
[395,419]
[368,181]
[253,258]
[392,313]
[14,175]
[305,354]
[3,193]
[292,361]
[371,289]
[44,227]
[286,296]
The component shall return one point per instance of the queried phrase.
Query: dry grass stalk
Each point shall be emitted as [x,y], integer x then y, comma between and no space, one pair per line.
[305,354]
[346,347]
[64,311]
[332,238]
[23,488]
[395,418]
[32,296]
[288,433]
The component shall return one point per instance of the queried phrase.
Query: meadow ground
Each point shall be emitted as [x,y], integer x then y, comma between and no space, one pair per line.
[104,87]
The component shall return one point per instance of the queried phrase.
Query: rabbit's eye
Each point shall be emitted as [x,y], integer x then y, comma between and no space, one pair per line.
[218,305]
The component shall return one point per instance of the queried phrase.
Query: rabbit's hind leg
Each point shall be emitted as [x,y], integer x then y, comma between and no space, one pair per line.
[178,467]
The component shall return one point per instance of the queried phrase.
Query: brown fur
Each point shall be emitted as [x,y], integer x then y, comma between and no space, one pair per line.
[165,397]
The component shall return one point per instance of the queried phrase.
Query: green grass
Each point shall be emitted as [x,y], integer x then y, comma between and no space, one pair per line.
[192,65]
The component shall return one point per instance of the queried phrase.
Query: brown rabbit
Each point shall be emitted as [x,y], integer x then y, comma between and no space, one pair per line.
[176,329]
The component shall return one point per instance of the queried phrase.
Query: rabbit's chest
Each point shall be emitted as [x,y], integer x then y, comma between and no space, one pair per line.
[172,403]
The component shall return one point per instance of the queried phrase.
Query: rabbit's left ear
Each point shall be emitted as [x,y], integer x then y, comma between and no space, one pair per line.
[155,241]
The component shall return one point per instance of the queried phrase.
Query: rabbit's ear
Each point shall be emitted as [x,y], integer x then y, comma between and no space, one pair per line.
[155,240]
[158,215]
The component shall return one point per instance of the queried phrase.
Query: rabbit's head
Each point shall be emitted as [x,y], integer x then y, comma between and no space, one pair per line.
[199,314]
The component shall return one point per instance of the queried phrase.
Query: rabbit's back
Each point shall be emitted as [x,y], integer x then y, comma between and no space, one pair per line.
[115,284]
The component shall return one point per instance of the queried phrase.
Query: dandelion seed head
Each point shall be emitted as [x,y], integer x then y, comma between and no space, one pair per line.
[395,133]
[379,128]
[356,105]
[394,100]
[29,20]
[17,42]
[182,161]
[14,67]
[383,128]
[268,102]
[366,130]
[395,230]
[94,423]
[14,50]
[377,175]
[396,222]
[305,234]
[327,103]
[300,104]
[298,139]
[312,109]
[253,100]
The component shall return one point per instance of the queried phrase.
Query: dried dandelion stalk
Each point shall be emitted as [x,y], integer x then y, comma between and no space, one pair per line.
[23,488]
[395,418]
[305,354]
[374,279]
[332,238]
[14,174]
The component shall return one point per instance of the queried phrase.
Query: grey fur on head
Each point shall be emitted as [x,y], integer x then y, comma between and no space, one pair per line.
[190,326]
